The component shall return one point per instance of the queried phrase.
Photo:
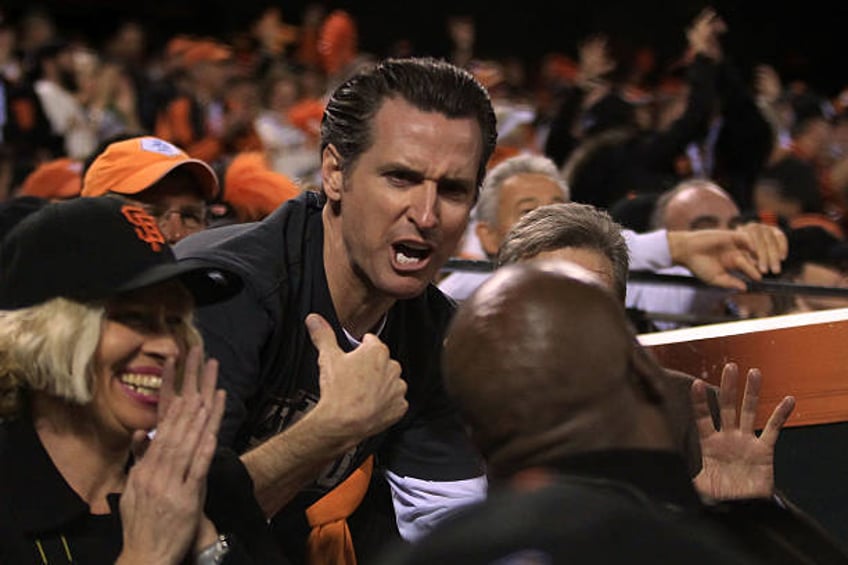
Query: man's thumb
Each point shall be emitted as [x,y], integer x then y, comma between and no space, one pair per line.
[322,335]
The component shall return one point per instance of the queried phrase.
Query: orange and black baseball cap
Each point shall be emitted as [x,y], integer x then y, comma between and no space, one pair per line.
[90,249]
[131,166]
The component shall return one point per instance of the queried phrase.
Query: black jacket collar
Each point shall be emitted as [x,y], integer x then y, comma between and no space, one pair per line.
[660,475]
[39,498]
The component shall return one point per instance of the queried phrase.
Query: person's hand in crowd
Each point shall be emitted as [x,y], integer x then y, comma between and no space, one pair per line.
[767,84]
[769,243]
[162,504]
[717,257]
[362,393]
[594,62]
[704,34]
[736,462]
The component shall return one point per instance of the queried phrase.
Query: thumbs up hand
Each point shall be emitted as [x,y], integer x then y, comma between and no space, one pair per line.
[362,393]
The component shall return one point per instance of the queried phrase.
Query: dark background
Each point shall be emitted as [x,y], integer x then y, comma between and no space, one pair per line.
[803,40]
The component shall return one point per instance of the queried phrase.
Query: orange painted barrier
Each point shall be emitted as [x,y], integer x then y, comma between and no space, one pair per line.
[803,355]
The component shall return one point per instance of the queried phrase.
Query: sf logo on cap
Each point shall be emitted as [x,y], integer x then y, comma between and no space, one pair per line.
[145,225]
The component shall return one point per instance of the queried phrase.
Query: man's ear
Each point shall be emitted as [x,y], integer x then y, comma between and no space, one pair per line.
[332,176]
[490,239]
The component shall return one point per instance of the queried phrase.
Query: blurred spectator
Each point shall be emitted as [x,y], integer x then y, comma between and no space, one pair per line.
[692,205]
[57,86]
[25,134]
[622,150]
[816,257]
[306,54]
[174,187]
[462,33]
[36,30]
[10,67]
[739,141]
[200,121]
[272,34]
[110,97]
[291,150]
[127,45]
[167,79]
[515,118]
[338,45]
[58,179]
[696,205]
[251,190]
[788,188]
[811,137]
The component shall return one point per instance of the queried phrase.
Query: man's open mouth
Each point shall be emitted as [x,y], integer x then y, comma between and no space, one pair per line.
[410,253]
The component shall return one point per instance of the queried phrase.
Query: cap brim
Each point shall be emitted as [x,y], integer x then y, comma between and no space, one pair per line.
[153,173]
[207,283]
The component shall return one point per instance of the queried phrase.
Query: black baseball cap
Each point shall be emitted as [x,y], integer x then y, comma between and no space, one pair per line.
[90,249]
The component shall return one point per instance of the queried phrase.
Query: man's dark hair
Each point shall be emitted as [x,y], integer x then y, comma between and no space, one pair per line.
[807,108]
[795,180]
[557,226]
[428,84]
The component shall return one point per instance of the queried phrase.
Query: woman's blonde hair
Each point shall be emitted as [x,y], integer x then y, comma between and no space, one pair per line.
[51,348]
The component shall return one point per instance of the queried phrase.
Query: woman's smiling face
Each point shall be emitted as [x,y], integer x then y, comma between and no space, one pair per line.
[143,329]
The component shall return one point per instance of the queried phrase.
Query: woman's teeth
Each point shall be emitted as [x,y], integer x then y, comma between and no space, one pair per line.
[142,383]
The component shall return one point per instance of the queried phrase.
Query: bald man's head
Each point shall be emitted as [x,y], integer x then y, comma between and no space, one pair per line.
[542,363]
[696,204]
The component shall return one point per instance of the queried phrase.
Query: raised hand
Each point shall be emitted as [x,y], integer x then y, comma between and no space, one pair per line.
[362,393]
[737,463]
[162,504]
[595,61]
[767,83]
[703,34]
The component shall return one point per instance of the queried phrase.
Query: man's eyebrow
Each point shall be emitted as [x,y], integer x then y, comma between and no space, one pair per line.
[457,183]
[396,168]
[704,220]
[527,200]
[408,172]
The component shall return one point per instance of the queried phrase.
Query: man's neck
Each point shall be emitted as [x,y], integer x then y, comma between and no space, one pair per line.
[359,307]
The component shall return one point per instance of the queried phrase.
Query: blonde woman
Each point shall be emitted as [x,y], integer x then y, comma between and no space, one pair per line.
[96,323]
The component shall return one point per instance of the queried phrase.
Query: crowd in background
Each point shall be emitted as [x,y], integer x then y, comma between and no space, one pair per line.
[622,128]
[349,381]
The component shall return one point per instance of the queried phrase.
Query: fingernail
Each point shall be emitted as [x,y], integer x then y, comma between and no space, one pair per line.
[312,323]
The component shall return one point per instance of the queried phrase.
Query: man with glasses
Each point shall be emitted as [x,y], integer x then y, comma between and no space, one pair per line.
[172,186]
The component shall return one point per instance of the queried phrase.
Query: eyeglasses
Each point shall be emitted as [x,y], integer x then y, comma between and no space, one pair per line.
[192,217]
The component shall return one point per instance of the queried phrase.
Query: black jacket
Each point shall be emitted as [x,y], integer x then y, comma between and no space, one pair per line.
[615,507]
[43,520]
[269,368]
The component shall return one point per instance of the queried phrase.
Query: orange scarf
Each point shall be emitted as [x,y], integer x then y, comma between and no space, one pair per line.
[329,542]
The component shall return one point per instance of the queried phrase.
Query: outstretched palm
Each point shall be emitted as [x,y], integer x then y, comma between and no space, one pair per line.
[737,463]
